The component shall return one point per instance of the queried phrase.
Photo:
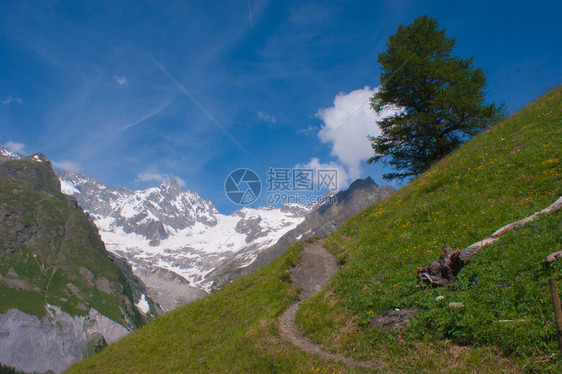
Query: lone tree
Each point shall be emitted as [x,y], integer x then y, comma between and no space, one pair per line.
[439,97]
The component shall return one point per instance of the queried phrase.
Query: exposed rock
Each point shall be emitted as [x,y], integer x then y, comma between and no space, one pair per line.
[138,287]
[54,342]
[394,319]
[59,259]
[15,283]
[170,290]
[74,290]
[150,213]
[87,276]
[104,285]
[251,227]
[12,273]
[6,155]
[456,305]
[165,227]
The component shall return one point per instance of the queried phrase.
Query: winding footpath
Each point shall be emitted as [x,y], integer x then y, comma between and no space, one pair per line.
[311,274]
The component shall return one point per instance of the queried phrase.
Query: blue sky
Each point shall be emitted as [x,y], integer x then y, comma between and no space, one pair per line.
[130,92]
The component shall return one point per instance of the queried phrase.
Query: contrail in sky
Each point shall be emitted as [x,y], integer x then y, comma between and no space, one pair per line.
[250,14]
[196,102]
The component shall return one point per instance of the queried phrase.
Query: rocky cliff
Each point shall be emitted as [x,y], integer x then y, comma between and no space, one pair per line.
[60,290]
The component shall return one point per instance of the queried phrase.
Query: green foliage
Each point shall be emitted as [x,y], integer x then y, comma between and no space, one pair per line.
[501,176]
[30,302]
[505,293]
[441,98]
[8,370]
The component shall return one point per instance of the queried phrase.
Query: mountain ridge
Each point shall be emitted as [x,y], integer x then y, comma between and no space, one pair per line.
[173,238]
[60,290]
[322,220]
[183,248]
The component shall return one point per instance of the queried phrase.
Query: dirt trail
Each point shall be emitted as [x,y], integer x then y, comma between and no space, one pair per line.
[310,275]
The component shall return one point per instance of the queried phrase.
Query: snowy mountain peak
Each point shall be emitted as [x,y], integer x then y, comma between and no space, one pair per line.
[172,184]
[7,155]
[174,238]
[153,213]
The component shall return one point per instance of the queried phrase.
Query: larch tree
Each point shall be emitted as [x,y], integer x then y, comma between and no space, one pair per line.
[439,99]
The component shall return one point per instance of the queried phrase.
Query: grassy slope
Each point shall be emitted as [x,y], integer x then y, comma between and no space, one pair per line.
[464,198]
[503,175]
[233,330]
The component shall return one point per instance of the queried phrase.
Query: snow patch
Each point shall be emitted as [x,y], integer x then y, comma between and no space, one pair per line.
[67,188]
[143,305]
[10,155]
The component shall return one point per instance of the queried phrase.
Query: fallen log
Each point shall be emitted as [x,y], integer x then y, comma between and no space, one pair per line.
[552,257]
[444,270]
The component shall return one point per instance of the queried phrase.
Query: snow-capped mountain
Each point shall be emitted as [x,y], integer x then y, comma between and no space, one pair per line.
[7,155]
[174,238]
[323,219]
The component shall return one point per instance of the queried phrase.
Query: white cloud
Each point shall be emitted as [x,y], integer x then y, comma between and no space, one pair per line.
[346,126]
[157,177]
[343,178]
[122,81]
[149,177]
[309,130]
[267,117]
[180,181]
[15,147]
[67,165]
[12,99]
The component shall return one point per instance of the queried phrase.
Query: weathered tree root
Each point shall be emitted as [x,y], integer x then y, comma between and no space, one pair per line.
[444,270]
